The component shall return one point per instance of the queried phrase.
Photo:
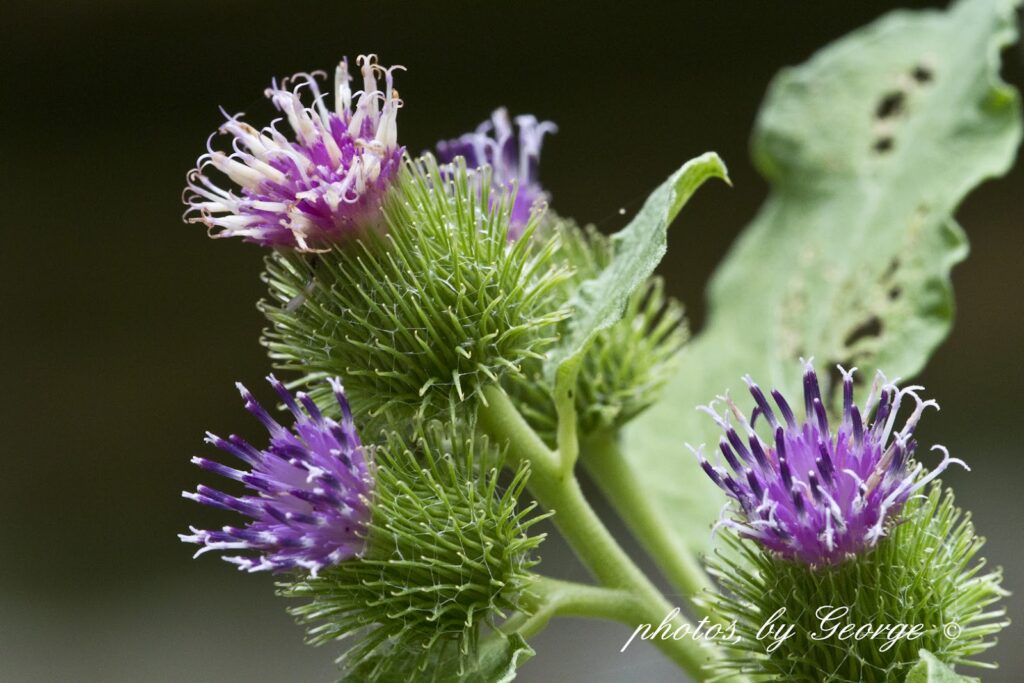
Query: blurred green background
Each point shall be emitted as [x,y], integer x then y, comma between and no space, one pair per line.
[123,330]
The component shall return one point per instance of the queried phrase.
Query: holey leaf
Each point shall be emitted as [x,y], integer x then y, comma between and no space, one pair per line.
[869,147]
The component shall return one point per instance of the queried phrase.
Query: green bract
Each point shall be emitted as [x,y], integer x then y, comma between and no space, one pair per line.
[626,364]
[418,319]
[922,573]
[448,555]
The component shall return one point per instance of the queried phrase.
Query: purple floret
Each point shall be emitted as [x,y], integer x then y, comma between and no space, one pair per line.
[514,159]
[815,492]
[312,488]
[325,185]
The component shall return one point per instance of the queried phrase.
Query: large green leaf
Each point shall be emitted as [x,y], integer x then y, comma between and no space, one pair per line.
[869,146]
[930,670]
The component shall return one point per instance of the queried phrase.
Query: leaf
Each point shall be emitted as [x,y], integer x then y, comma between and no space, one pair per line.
[931,670]
[499,659]
[496,662]
[869,146]
[636,251]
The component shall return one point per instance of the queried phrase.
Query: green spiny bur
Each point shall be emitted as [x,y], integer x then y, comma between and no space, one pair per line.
[921,573]
[416,320]
[627,364]
[448,554]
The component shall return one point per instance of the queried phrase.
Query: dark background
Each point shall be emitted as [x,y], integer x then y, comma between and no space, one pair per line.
[123,330]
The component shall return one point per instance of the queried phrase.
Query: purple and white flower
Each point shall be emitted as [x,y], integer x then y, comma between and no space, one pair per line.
[816,492]
[514,159]
[316,189]
[312,488]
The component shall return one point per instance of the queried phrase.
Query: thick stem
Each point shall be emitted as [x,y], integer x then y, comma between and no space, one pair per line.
[559,491]
[556,598]
[605,464]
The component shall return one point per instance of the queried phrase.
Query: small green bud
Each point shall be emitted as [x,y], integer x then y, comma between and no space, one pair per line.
[627,364]
[417,320]
[922,573]
[448,554]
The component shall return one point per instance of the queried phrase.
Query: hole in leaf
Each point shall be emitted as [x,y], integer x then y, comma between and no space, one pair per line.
[891,105]
[872,327]
[894,265]
[922,74]
[883,144]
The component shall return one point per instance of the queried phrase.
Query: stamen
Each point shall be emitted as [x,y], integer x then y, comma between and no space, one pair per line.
[758,451]
[737,443]
[858,427]
[784,472]
[762,401]
[780,443]
[798,502]
[787,412]
[711,472]
[730,457]
[847,391]
[824,464]
[812,482]
[819,413]
[811,390]
[755,485]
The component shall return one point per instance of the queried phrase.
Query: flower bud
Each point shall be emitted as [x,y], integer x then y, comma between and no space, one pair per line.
[312,488]
[448,555]
[419,319]
[627,365]
[850,544]
[514,159]
[322,186]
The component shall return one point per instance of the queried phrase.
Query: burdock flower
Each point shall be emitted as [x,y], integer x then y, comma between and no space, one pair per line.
[305,193]
[514,159]
[312,487]
[814,492]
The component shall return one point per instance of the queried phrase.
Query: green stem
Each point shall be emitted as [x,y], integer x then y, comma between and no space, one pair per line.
[565,406]
[606,465]
[556,598]
[559,491]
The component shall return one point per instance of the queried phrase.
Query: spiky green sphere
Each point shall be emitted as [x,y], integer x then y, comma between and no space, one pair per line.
[627,364]
[448,554]
[923,572]
[418,318]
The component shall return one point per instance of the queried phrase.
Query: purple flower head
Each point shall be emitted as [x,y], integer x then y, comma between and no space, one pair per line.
[305,193]
[817,492]
[311,490]
[514,160]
